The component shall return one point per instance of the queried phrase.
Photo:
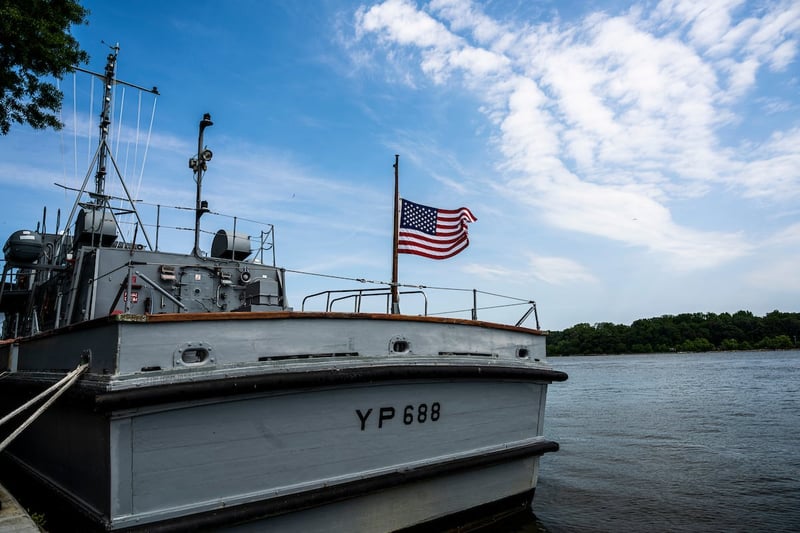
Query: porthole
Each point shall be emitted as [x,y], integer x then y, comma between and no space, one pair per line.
[193,354]
[522,353]
[399,345]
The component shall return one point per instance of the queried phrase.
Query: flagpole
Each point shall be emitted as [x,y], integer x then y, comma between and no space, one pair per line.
[395,294]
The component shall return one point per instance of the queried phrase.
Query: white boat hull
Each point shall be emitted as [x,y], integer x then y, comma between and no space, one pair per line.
[369,441]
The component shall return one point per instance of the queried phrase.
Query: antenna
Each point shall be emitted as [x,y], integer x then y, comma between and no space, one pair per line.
[199,164]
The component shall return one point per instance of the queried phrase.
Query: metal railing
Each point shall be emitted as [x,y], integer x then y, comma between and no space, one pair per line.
[358,295]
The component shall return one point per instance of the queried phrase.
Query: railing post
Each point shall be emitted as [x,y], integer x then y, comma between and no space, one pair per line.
[158,223]
[233,243]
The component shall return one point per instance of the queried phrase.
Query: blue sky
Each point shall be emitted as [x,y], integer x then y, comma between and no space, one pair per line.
[624,159]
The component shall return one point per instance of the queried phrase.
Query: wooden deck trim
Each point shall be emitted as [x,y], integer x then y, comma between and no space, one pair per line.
[317,315]
[267,315]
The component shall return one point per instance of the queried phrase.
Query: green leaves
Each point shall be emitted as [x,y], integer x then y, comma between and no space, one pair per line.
[35,44]
[687,332]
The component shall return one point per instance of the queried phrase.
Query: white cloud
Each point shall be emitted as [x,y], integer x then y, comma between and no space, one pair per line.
[770,41]
[779,276]
[774,172]
[741,75]
[548,269]
[783,54]
[489,271]
[708,21]
[740,48]
[463,16]
[442,51]
[404,24]
[603,122]
[789,237]
[559,270]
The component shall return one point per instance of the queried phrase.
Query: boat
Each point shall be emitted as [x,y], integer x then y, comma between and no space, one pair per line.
[182,391]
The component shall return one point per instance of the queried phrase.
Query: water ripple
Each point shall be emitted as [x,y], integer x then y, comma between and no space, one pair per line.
[672,442]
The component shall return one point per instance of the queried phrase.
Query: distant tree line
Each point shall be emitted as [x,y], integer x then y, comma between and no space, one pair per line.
[689,332]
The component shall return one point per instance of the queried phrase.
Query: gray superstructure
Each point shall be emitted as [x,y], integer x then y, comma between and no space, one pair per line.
[208,402]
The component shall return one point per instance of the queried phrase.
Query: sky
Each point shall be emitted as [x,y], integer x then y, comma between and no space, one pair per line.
[624,160]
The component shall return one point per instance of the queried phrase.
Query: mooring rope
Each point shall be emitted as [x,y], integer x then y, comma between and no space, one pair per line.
[60,388]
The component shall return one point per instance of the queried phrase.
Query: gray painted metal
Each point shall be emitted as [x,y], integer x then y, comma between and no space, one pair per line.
[405,505]
[171,460]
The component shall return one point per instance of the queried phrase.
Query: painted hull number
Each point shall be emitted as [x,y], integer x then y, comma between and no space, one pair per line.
[410,414]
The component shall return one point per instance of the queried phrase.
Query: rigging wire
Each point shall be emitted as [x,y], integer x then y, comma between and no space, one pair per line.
[89,150]
[118,141]
[61,143]
[146,146]
[412,286]
[119,124]
[136,144]
[112,134]
[74,129]
[135,140]
[127,158]
[184,208]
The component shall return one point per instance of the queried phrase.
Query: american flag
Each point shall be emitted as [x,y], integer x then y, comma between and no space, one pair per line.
[431,232]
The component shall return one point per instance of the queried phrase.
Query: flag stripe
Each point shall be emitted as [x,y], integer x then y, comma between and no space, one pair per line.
[431,232]
[416,236]
[456,214]
[434,254]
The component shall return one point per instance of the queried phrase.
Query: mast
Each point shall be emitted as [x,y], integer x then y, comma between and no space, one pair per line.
[109,81]
[105,122]
[396,237]
[103,154]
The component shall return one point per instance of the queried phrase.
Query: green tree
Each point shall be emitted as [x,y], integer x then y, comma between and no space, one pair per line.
[722,328]
[696,345]
[687,332]
[749,325]
[729,345]
[35,44]
[778,342]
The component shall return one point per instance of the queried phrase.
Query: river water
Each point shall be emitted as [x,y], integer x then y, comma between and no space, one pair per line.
[672,442]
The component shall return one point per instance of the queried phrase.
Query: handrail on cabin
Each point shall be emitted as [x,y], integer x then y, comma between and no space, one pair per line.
[385,292]
[357,295]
